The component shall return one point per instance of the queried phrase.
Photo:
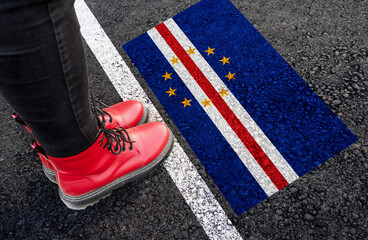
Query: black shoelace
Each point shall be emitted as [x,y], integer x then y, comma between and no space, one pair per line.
[117,136]
[100,111]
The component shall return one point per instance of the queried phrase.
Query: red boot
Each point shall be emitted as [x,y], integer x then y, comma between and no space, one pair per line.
[117,157]
[125,114]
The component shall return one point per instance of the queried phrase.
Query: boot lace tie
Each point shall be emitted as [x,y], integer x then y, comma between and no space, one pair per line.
[119,136]
[115,138]
[101,112]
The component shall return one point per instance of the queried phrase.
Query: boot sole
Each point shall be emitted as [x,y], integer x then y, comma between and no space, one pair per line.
[144,117]
[50,174]
[82,201]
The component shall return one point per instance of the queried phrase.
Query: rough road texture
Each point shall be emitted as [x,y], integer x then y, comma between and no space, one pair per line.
[325,42]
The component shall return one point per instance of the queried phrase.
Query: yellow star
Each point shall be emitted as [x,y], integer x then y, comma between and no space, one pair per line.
[167,76]
[174,60]
[206,102]
[230,76]
[223,92]
[190,51]
[209,51]
[186,102]
[171,92]
[225,60]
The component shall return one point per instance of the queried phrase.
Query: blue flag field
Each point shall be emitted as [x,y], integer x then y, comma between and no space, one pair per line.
[254,124]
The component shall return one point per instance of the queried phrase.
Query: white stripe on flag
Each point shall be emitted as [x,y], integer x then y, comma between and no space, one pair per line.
[246,157]
[263,141]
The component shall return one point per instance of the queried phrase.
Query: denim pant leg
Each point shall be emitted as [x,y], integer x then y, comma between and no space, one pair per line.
[43,73]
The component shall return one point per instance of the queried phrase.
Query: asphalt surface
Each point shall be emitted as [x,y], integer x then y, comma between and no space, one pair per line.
[325,42]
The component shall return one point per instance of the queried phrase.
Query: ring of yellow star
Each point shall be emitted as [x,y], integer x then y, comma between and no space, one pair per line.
[186,102]
[223,92]
[209,51]
[174,60]
[167,76]
[230,76]
[171,92]
[190,51]
[206,102]
[225,60]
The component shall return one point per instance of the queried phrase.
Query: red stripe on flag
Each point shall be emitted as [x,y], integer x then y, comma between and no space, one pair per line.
[243,134]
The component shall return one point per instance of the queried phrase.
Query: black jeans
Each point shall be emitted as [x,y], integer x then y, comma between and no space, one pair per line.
[43,73]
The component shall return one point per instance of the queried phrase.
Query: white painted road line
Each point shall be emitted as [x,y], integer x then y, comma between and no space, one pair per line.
[193,188]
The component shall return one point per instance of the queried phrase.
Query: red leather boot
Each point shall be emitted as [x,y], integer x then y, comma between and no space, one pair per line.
[125,114]
[117,157]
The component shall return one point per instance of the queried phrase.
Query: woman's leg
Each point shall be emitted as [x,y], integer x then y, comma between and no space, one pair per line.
[43,76]
[43,73]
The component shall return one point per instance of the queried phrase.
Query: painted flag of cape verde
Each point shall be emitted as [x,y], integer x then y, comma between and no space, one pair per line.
[254,124]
